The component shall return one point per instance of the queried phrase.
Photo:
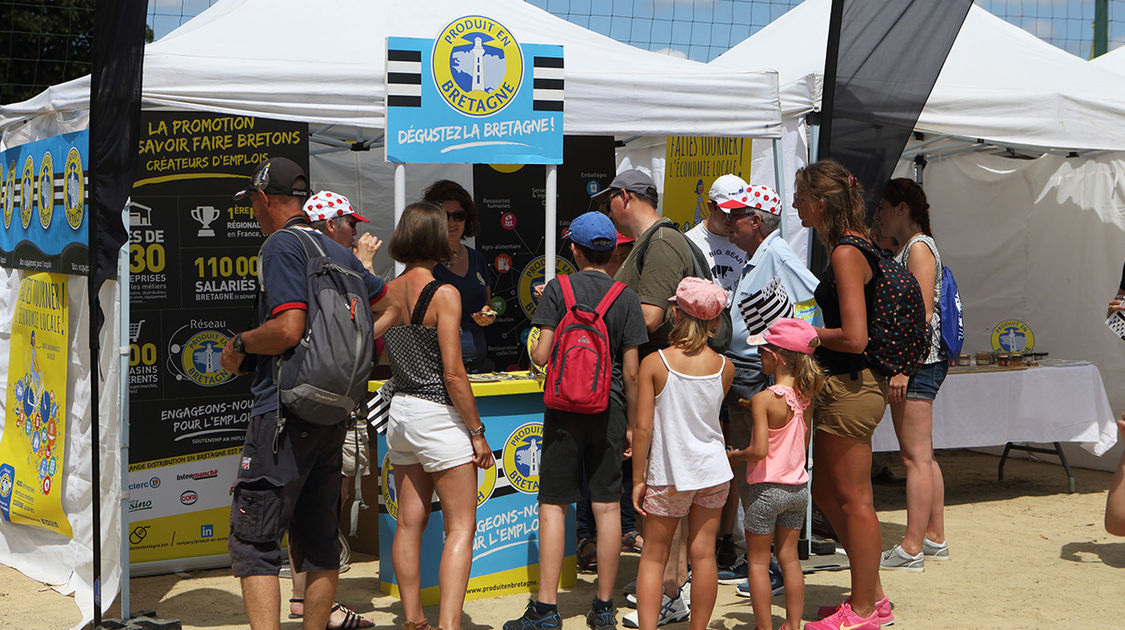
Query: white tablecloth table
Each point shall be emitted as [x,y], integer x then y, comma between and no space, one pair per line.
[1064,403]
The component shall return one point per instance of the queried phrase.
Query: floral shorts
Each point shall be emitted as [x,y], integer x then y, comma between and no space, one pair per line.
[667,501]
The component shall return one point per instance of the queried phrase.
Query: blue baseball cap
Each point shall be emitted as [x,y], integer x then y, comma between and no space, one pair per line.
[593,230]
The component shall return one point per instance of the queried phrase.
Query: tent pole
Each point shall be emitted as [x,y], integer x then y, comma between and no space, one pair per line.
[400,203]
[95,415]
[779,184]
[814,153]
[550,221]
[813,120]
[123,386]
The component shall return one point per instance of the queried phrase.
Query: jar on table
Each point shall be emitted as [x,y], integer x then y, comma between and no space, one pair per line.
[985,358]
[1002,359]
[964,359]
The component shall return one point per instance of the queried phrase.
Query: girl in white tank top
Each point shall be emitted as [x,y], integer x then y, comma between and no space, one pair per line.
[680,466]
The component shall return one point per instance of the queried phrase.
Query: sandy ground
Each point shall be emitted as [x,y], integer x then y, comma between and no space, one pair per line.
[1025,555]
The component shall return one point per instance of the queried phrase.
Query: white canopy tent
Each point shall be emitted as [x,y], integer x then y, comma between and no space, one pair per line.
[273,58]
[1038,238]
[325,66]
[999,83]
[265,58]
[1113,60]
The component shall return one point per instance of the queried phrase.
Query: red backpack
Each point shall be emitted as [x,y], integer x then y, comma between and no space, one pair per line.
[580,367]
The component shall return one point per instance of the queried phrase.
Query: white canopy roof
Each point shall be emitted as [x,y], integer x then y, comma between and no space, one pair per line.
[1113,60]
[999,83]
[324,63]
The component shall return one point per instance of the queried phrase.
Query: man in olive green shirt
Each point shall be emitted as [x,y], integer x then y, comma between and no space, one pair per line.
[630,201]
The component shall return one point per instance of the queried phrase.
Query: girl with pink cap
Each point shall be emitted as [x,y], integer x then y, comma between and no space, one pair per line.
[776,468]
[680,468]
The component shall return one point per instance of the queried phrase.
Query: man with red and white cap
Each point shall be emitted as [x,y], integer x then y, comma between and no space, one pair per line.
[332,214]
[728,193]
[753,228]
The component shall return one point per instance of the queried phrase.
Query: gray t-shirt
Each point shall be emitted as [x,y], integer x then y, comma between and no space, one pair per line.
[624,321]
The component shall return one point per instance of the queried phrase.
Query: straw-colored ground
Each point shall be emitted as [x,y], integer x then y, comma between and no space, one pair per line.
[1025,555]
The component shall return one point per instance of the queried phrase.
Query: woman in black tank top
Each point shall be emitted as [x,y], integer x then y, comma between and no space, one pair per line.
[829,199]
[434,422]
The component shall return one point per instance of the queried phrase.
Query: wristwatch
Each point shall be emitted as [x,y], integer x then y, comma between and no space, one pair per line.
[477,431]
[236,344]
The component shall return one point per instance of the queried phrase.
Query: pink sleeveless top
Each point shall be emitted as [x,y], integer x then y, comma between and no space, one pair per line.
[785,459]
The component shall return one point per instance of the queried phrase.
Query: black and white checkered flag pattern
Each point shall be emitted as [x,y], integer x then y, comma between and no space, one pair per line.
[762,308]
[379,408]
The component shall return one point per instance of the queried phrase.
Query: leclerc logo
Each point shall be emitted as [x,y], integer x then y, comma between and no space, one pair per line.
[188,497]
[154,482]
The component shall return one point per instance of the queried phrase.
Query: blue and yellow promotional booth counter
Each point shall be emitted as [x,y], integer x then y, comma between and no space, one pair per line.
[506,547]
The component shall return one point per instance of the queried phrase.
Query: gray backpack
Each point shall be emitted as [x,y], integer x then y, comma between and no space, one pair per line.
[324,377]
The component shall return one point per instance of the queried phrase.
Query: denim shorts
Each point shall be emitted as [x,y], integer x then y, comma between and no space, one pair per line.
[925,383]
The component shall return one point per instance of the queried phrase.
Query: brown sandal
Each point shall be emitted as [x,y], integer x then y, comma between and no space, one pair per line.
[417,625]
[632,542]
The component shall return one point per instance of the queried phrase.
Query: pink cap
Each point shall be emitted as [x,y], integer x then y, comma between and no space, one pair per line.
[700,298]
[790,334]
[326,205]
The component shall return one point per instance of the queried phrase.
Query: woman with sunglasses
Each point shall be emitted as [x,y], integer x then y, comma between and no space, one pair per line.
[466,271]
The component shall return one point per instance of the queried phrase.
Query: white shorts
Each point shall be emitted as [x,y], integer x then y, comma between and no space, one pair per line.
[428,433]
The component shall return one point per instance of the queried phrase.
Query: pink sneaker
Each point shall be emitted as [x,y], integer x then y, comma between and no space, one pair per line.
[883,608]
[845,619]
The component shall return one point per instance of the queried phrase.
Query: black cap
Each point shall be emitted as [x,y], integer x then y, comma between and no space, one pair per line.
[633,180]
[277,176]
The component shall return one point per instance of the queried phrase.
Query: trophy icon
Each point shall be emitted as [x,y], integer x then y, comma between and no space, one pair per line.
[205,215]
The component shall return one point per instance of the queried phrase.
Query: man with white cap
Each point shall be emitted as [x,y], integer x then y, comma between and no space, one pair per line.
[753,228]
[727,193]
[332,214]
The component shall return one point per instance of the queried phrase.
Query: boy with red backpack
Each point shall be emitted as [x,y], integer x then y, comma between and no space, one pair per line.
[587,322]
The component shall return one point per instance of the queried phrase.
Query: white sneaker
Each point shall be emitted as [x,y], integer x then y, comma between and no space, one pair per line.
[685,594]
[895,559]
[933,550]
[671,611]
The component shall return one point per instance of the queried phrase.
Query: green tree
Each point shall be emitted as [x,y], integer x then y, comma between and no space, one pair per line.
[48,42]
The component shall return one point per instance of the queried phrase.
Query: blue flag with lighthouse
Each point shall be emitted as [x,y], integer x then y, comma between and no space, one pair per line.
[474,95]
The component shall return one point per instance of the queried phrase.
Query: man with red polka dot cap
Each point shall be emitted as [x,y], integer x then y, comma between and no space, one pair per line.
[752,224]
[332,214]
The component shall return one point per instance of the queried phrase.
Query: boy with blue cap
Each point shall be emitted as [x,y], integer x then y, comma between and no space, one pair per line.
[574,443]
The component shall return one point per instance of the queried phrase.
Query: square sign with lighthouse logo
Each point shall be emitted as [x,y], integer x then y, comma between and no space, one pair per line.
[474,95]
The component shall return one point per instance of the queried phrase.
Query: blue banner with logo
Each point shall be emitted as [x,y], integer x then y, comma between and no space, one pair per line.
[474,95]
[43,197]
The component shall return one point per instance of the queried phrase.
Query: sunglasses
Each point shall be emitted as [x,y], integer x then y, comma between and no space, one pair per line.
[604,208]
[458,215]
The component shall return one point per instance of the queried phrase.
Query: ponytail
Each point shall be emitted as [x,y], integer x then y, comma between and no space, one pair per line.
[808,376]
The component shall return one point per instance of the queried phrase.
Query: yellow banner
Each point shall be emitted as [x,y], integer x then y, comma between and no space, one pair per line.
[187,535]
[691,165]
[31,449]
